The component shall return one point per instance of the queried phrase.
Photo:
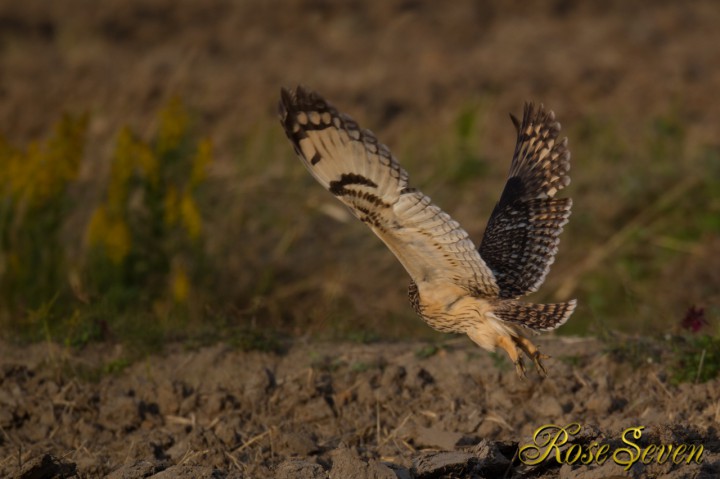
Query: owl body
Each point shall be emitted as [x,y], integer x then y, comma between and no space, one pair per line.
[455,286]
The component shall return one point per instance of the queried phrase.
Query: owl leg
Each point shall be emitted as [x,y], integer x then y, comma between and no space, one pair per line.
[533,353]
[510,346]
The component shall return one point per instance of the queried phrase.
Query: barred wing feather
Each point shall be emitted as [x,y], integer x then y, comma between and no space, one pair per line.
[364,175]
[523,233]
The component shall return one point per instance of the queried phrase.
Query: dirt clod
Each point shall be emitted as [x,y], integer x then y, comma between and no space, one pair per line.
[299,469]
[347,464]
[142,468]
[47,467]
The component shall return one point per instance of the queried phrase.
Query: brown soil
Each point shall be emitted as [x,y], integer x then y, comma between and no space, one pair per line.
[339,411]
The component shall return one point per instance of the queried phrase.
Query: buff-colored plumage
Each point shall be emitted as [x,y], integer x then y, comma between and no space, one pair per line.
[455,286]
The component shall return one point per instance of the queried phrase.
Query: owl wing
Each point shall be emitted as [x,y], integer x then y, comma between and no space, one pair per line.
[522,235]
[363,174]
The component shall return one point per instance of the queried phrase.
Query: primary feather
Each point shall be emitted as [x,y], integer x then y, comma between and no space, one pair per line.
[523,233]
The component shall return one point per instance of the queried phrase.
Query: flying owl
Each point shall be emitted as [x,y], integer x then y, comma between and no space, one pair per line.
[455,286]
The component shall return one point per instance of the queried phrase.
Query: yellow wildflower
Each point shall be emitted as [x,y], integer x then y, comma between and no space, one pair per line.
[202,159]
[65,147]
[190,215]
[41,172]
[174,121]
[147,161]
[122,168]
[180,283]
[117,241]
[111,233]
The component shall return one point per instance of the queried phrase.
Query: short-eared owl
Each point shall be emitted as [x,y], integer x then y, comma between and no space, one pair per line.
[455,286]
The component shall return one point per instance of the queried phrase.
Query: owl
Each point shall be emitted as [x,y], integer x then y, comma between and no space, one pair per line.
[455,286]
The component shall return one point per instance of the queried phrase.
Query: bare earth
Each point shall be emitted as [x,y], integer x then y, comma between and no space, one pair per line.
[340,411]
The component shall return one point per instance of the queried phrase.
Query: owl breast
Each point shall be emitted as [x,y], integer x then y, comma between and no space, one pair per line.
[447,307]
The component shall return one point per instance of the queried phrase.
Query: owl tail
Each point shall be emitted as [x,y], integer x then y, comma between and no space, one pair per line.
[539,317]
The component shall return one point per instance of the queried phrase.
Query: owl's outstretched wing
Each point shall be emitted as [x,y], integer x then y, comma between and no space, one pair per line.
[522,235]
[363,174]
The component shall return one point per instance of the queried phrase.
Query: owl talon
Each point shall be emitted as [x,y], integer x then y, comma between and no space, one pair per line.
[533,353]
[520,368]
[537,359]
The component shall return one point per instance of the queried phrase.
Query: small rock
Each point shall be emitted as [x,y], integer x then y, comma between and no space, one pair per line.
[488,429]
[203,443]
[168,399]
[609,470]
[297,443]
[260,385]
[393,377]
[418,378]
[548,406]
[346,464]
[365,393]
[316,409]
[228,430]
[488,451]
[436,438]
[47,466]
[186,471]
[138,469]
[493,457]
[599,404]
[442,464]
[118,414]
[299,469]
[400,471]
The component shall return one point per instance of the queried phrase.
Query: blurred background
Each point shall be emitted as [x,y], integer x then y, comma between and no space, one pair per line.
[149,194]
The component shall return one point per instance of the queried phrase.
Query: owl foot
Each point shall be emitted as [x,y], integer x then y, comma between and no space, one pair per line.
[533,353]
[513,345]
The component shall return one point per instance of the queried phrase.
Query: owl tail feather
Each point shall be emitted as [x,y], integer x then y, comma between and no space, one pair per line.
[539,317]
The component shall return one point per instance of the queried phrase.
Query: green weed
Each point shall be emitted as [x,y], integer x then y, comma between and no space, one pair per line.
[695,359]
[145,239]
[35,199]
[500,360]
[328,364]
[116,366]
[362,336]
[247,339]
[634,351]
[574,360]
[360,367]
[427,351]
[467,163]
